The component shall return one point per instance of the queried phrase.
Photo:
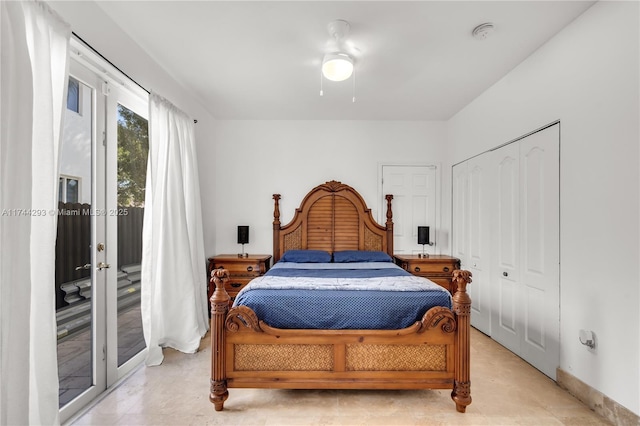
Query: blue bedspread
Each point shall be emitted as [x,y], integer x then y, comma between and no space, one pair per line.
[341,296]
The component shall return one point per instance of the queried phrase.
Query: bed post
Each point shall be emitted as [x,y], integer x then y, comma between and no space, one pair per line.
[219,308]
[389,225]
[461,393]
[276,229]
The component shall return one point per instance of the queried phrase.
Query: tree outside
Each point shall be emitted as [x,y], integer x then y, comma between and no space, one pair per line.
[133,151]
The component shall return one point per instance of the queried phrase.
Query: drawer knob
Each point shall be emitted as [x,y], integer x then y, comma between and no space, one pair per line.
[249,268]
[417,269]
[236,285]
[445,269]
[506,274]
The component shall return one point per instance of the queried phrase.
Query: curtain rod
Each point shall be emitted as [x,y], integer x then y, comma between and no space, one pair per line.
[113,65]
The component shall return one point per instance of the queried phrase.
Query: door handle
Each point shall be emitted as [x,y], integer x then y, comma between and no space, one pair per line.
[102,266]
[85,266]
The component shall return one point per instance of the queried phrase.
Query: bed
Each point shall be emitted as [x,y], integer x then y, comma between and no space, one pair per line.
[252,347]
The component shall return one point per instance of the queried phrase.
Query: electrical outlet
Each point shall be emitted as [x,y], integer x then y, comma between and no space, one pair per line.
[587,338]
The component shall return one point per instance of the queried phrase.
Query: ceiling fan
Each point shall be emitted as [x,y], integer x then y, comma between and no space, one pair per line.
[339,63]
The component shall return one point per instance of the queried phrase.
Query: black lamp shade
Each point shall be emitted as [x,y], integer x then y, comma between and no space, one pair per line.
[243,234]
[423,235]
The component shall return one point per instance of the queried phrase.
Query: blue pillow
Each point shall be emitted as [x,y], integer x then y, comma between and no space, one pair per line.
[361,256]
[306,256]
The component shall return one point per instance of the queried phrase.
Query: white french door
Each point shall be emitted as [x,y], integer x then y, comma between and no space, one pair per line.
[103,159]
[81,278]
[127,148]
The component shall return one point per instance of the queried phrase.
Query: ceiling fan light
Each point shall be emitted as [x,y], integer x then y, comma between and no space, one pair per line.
[337,66]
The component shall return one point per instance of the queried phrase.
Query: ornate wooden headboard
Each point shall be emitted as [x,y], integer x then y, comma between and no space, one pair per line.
[332,217]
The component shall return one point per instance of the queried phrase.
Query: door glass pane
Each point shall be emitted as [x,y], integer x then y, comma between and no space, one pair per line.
[73,277]
[72,190]
[133,150]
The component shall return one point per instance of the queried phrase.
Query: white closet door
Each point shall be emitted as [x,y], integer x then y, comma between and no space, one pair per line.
[471,236]
[539,256]
[480,202]
[460,218]
[525,249]
[506,326]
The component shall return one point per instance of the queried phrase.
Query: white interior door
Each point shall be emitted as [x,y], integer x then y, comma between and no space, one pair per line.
[506,325]
[480,200]
[526,249]
[460,214]
[540,251]
[414,190]
[471,236]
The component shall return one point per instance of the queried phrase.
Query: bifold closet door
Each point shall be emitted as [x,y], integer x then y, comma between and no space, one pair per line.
[471,235]
[506,322]
[525,249]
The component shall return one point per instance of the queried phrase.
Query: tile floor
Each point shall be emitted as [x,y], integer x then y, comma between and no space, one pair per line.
[505,391]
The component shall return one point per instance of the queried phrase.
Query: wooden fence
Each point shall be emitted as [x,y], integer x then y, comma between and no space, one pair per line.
[73,243]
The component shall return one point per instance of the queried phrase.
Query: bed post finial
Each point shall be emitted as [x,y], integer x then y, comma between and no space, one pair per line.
[276,228]
[218,392]
[389,225]
[461,393]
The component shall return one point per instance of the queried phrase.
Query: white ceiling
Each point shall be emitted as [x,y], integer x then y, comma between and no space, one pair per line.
[415,60]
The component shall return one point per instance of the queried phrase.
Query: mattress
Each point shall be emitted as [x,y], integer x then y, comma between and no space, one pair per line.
[359,295]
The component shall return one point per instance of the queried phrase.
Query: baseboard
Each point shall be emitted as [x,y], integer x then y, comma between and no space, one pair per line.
[597,401]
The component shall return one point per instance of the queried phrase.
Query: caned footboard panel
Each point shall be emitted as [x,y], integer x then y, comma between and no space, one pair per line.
[361,357]
[282,357]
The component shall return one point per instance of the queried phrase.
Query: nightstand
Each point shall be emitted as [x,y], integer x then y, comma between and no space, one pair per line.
[241,271]
[438,268]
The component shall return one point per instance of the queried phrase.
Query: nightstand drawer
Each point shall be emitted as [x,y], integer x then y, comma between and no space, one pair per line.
[431,268]
[235,284]
[240,269]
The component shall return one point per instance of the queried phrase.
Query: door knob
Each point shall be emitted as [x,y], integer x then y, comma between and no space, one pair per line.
[102,266]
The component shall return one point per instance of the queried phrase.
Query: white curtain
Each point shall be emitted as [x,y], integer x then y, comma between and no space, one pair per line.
[34,60]
[174,294]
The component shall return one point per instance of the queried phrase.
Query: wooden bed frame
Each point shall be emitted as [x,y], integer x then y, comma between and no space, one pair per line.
[247,353]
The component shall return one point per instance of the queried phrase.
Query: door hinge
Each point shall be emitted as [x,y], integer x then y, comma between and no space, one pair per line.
[105,88]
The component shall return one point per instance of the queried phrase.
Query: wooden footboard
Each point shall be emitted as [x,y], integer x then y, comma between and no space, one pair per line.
[431,354]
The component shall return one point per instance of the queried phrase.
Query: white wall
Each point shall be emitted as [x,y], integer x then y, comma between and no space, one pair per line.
[587,77]
[251,160]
